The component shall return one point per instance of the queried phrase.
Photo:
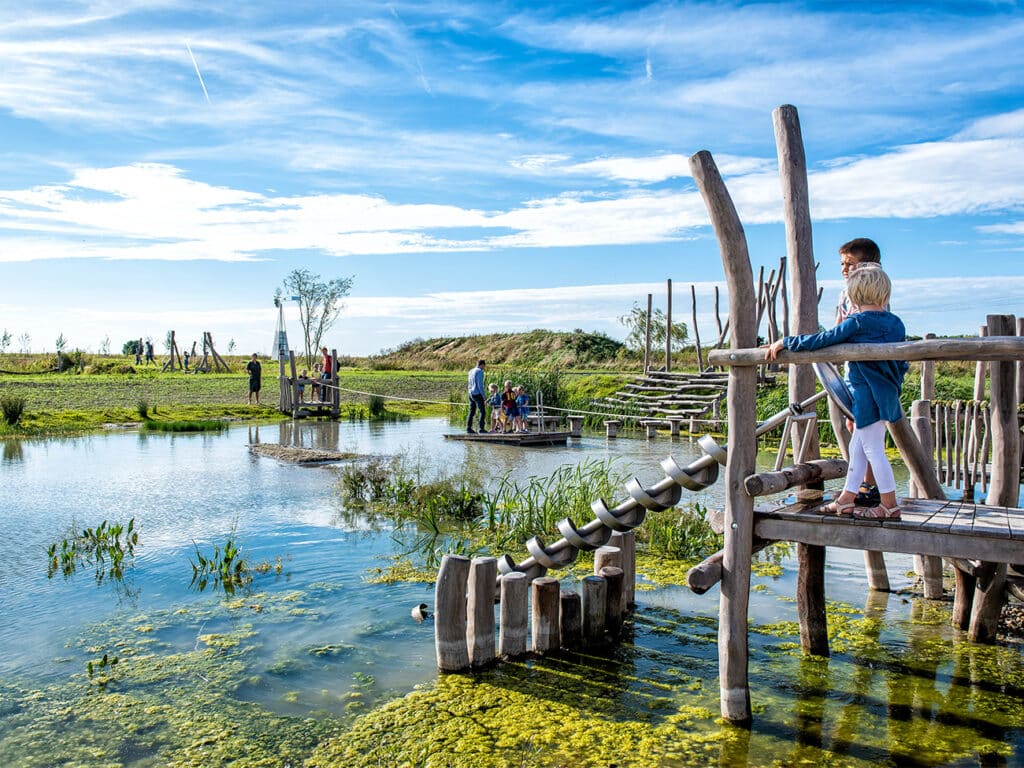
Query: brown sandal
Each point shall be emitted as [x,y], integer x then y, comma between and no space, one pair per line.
[840,508]
[877,512]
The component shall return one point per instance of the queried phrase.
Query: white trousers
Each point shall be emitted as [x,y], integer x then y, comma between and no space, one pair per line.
[867,446]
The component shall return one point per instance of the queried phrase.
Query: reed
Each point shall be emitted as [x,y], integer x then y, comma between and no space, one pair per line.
[13,408]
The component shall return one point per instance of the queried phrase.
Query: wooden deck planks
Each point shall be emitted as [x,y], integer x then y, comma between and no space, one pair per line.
[929,527]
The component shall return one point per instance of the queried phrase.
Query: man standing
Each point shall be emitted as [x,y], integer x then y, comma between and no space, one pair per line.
[476,396]
[255,372]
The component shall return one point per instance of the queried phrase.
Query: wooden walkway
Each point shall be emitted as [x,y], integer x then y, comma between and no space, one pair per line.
[524,439]
[928,527]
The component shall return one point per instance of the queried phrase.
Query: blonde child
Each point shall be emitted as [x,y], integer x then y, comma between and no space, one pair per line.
[876,388]
[497,414]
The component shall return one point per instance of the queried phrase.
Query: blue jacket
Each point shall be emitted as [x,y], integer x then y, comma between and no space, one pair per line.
[876,384]
[476,382]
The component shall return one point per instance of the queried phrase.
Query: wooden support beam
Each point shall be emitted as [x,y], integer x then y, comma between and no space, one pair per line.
[450,613]
[816,470]
[513,618]
[595,606]
[1003,348]
[733,654]
[483,573]
[570,619]
[546,605]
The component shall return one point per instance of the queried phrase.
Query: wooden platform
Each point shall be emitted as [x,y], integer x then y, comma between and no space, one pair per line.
[928,527]
[524,439]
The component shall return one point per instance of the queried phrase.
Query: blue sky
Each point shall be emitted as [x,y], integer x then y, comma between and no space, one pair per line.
[486,167]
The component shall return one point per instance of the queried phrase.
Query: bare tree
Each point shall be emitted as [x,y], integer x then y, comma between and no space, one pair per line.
[26,342]
[319,304]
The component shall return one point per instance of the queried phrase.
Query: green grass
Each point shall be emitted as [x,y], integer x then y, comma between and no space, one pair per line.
[192,425]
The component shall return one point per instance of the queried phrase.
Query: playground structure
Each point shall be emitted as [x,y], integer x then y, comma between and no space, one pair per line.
[982,542]
[293,400]
[211,361]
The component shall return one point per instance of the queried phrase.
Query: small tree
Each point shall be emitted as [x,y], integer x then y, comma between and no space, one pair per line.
[105,346]
[636,325]
[5,340]
[61,342]
[132,347]
[319,304]
[26,342]
[231,346]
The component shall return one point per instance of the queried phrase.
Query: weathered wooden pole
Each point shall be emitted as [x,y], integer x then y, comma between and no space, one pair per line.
[615,607]
[928,375]
[647,334]
[483,574]
[293,394]
[546,591]
[1020,364]
[626,542]
[810,593]
[696,330]
[607,556]
[595,605]
[450,613]
[739,508]
[1004,487]
[513,618]
[668,325]
[570,619]
[981,369]
[928,567]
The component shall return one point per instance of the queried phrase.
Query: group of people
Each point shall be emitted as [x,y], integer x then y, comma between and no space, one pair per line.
[510,408]
[863,316]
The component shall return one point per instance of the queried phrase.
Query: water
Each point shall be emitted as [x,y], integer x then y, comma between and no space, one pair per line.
[315,639]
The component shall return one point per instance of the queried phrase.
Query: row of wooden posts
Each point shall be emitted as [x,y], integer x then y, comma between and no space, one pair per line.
[536,616]
[770,291]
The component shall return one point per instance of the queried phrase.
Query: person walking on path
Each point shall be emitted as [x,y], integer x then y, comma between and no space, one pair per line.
[255,373]
[476,397]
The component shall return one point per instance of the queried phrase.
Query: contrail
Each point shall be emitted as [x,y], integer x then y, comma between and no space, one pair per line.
[198,73]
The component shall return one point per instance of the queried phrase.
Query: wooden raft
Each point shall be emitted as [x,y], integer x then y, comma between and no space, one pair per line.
[524,439]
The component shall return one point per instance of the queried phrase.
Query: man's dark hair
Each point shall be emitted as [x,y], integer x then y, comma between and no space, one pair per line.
[480,362]
[863,248]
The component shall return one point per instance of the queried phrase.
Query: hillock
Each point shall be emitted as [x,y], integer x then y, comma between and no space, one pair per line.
[534,349]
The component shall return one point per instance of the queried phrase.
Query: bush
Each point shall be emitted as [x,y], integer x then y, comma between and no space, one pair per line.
[13,408]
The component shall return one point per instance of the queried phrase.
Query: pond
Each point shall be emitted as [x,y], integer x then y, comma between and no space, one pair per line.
[149,671]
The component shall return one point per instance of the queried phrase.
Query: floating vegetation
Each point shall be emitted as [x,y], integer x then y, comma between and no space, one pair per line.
[225,568]
[110,549]
[187,425]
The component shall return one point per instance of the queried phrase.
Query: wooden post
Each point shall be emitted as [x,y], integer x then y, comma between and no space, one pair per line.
[615,610]
[1003,488]
[607,557]
[513,618]
[283,404]
[570,619]
[928,375]
[696,330]
[650,428]
[335,392]
[575,426]
[611,427]
[595,599]
[450,613]
[980,370]
[1020,364]
[739,508]
[647,334]
[626,542]
[483,574]
[546,593]
[928,567]
[668,327]
[810,594]
[293,386]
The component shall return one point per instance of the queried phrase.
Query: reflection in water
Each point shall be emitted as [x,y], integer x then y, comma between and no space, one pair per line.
[12,450]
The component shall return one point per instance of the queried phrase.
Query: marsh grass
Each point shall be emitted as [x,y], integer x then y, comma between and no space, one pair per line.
[191,425]
[226,568]
[13,407]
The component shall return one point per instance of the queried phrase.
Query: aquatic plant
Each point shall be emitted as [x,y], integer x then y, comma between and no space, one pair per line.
[189,425]
[108,548]
[225,568]
[680,533]
[13,408]
[142,408]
